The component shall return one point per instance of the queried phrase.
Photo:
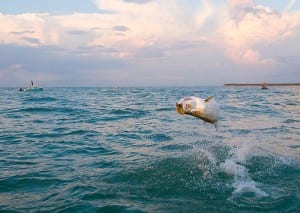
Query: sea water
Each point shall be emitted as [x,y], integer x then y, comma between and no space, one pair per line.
[128,150]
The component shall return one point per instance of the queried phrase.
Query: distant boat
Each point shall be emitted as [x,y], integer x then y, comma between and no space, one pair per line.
[32,87]
[264,86]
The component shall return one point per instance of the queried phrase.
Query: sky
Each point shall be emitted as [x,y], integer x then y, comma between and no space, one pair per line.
[148,42]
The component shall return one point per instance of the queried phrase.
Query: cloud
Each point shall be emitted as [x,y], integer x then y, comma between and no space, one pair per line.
[54,66]
[253,27]
[240,4]
[151,39]
[78,32]
[132,26]
[120,28]
[291,4]
[238,8]
[31,40]
[35,26]
[23,32]
[138,1]
[141,24]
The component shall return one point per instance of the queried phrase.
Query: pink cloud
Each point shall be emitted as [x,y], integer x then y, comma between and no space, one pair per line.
[254,26]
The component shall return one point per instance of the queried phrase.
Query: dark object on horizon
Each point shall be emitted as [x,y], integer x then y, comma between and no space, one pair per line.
[269,84]
[264,86]
[31,87]
[34,89]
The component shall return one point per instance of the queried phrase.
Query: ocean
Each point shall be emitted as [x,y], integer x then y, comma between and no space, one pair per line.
[128,150]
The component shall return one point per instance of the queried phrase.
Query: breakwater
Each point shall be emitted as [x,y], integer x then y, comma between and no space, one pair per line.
[259,84]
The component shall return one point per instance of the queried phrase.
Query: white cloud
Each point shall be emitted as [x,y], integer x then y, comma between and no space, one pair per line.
[291,4]
[148,23]
[257,27]
[38,27]
[156,23]
[180,33]
[238,8]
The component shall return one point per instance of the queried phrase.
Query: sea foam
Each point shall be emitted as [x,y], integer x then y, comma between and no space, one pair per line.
[243,182]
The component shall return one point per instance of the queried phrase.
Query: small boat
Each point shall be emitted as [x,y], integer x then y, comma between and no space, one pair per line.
[264,86]
[32,89]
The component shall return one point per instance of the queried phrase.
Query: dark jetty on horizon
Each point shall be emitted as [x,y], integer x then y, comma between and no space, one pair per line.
[268,84]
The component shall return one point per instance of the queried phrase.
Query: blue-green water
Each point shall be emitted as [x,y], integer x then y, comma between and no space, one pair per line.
[127,150]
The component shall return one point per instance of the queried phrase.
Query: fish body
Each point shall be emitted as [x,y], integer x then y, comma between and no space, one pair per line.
[206,109]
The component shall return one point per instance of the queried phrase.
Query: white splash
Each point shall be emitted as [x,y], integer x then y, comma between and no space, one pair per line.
[242,180]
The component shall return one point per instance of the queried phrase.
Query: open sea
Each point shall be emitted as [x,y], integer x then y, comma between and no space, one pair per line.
[128,150]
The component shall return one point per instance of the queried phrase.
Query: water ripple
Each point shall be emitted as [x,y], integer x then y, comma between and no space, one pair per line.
[127,150]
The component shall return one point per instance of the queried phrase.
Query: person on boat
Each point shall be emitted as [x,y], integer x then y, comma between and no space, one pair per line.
[31,85]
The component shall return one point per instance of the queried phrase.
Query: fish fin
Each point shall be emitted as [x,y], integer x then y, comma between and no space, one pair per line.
[209,98]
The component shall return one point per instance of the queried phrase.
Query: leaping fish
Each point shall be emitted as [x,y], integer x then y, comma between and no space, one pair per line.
[206,109]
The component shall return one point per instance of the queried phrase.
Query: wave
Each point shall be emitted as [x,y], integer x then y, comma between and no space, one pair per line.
[40,99]
[27,184]
[57,134]
[91,149]
[52,109]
